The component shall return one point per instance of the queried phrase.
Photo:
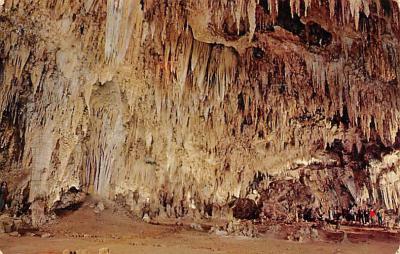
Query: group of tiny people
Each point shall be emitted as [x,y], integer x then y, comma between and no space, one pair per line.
[361,215]
[355,215]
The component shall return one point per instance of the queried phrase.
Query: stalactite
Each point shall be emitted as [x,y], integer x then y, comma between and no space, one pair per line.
[211,82]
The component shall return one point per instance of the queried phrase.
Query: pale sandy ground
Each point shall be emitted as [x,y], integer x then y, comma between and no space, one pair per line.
[124,236]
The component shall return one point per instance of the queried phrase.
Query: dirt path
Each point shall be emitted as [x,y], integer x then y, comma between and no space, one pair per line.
[84,229]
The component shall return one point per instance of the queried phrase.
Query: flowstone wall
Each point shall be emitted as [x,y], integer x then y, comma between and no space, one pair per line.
[193,103]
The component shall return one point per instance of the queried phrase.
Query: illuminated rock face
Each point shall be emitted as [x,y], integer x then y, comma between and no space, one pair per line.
[199,101]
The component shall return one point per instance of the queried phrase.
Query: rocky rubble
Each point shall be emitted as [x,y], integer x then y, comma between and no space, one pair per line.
[101,251]
[304,234]
[9,224]
[69,200]
[236,228]
[6,224]
[99,207]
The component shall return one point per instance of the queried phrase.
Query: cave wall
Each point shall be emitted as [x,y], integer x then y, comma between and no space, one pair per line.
[193,98]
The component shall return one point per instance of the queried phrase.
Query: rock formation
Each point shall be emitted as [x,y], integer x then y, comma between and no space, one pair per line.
[194,103]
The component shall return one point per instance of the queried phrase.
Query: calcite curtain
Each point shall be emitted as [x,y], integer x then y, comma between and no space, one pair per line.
[194,98]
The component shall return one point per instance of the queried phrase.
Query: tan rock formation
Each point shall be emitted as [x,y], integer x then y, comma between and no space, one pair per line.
[191,99]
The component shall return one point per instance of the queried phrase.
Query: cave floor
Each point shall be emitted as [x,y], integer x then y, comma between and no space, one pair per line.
[83,229]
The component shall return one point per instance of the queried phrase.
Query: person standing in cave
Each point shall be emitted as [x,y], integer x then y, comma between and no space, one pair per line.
[146,210]
[192,207]
[372,216]
[3,196]
[380,217]
[360,216]
[366,216]
[331,214]
[384,220]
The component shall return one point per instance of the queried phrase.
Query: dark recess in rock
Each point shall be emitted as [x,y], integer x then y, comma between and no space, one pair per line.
[265,4]
[387,7]
[316,35]
[258,53]
[311,33]
[241,105]
[286,21]
[246,209]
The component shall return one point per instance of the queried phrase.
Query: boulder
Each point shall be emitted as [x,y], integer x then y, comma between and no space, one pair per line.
[72,199]
[221,232]
[196,226]
[18,224]
[99,207]
[6,224]
[146,218]
[46,235]
[314,234]
[15,234]
[104,251]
